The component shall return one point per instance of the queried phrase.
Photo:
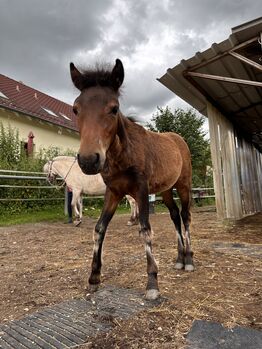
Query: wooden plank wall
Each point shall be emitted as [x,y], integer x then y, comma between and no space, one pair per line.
[250,166]
[216,161]
[237,167]
[224,158]
[259,175]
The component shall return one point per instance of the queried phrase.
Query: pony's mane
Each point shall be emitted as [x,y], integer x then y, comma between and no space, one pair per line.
[64,157]
[101,75]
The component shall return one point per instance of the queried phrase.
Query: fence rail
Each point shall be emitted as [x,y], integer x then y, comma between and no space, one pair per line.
[197,193]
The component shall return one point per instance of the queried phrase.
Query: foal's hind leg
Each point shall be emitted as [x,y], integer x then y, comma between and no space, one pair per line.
[185,197]
[175,216]
[152,290]
[134,211]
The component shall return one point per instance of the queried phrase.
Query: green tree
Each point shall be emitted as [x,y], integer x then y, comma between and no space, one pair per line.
[190,126]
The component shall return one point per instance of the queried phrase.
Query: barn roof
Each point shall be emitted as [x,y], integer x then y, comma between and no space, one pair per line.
[18,97]
[229,75]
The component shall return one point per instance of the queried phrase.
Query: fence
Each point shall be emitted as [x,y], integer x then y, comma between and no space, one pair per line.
[197,193]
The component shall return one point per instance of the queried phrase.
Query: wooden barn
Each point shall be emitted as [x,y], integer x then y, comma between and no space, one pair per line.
[224,83]
[42,121]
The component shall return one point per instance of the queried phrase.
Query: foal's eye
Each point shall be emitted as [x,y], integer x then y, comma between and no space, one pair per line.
[75,111]
[114,110]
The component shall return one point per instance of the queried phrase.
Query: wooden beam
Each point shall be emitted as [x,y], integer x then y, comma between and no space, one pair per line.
[246,60]
[224,78]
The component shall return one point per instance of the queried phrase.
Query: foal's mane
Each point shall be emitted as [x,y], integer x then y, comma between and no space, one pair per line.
[101,75]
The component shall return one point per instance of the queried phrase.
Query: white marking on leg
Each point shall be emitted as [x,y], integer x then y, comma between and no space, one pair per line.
[149,253]
[147,235]
[187,239]
[179,240]
[152,294]
[179,265]
[96,242]
[188,267]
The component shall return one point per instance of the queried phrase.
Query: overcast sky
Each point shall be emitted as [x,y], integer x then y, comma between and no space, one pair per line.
[38,39]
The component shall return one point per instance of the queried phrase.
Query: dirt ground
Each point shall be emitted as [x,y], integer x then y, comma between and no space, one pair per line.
[44,264]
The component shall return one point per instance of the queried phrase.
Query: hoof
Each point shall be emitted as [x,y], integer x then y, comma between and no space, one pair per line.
[93,288]
[152,294]
[179,266]
[189,267]
[77,223]
[130,223]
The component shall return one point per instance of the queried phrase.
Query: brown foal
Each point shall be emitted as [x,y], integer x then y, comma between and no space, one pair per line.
[131,161]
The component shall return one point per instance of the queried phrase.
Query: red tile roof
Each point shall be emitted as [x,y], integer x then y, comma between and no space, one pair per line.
[25,99]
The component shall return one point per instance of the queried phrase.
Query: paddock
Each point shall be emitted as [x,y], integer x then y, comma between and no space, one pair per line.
[46,264]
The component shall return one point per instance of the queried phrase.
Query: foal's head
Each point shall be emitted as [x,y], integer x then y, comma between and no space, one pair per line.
[97,110]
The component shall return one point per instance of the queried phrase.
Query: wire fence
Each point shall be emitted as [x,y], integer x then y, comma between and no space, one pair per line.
[7,175]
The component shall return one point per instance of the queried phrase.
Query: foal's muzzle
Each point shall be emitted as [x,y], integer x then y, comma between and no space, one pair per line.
[89,164]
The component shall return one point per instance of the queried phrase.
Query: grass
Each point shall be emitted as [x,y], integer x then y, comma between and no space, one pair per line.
[50,214]
[56,213]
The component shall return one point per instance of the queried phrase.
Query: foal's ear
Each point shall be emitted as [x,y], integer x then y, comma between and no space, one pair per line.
[117,75]
[76,77]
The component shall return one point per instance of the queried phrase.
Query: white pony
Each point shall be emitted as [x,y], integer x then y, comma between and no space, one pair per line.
[67,168]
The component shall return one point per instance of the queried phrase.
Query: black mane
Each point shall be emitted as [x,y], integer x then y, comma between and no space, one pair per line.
[100,76]
[103,76]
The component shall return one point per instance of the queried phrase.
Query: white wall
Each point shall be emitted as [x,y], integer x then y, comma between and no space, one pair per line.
[46,135]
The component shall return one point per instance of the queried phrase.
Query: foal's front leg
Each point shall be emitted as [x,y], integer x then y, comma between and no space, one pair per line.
[152,290]
[110,204]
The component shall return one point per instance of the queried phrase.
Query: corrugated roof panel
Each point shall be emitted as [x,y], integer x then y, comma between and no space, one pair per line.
[230,98]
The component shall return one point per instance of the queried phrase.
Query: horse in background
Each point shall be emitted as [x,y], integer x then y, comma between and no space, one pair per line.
[68,169]
[132,161]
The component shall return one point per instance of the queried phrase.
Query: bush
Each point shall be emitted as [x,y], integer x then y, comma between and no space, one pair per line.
[13,157]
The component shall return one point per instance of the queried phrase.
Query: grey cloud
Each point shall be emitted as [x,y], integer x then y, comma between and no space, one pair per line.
[39,39]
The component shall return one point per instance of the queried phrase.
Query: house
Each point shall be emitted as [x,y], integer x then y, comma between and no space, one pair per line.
[224,84]
[42,121]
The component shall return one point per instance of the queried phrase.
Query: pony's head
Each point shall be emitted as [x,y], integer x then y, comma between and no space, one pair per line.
[97,111]
[50,170]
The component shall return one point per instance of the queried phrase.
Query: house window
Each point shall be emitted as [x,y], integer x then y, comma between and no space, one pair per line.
[49,111]
[64,116]
[3,95]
